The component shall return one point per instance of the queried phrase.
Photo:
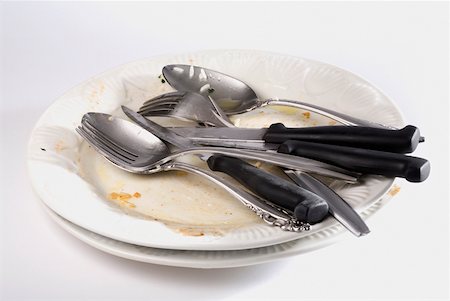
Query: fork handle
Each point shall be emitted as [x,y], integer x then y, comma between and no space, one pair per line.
[366,161]
[403,140]
[307,206]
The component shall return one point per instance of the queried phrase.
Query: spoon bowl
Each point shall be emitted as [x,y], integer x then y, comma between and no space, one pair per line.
[231,94]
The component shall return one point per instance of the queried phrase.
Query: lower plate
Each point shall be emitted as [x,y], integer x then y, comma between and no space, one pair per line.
[212,259]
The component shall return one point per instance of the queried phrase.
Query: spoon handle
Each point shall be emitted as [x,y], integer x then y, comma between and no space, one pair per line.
[365,161]
[307,206]
[339,117]
[403,140]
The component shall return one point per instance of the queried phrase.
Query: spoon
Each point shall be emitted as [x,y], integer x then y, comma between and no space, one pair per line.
[235,97]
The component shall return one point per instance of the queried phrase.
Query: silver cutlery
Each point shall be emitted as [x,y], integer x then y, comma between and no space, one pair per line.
[333,146]
[160,106]
[338,207]
[202,109]
[192,108]
[235,97]
[256,180]
[133,149]
[359,160]
[287,161]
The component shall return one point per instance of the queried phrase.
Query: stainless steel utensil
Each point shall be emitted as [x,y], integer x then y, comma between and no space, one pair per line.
[193,108]
[338,207]
[256,180]
[282,160]
[401,141]
[165,103]
[133,149]
[364,155]
[204,110]
[235,96]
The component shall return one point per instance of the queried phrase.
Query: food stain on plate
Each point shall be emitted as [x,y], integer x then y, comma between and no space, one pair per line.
[185,203]
[124,198]
[394,190]
[179,200]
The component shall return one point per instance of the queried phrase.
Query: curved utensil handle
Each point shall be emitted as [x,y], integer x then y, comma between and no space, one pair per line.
[269,214]
[339,117]
[366,161]
[307,207]
[282,160]
[404,140]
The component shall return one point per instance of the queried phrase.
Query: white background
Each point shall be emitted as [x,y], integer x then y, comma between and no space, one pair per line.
[46,48]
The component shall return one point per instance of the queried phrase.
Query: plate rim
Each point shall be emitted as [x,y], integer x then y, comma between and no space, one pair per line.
[96,241]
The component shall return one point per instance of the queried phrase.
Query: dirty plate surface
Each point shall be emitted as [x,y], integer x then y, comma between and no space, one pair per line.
[212,259]
[175,210]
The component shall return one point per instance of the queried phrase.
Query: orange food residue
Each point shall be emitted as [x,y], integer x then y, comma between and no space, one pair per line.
[59,146]
[123,195]
[190,232]
[307,115]
[113,196]
[124,198]
[119,196]
[394,190]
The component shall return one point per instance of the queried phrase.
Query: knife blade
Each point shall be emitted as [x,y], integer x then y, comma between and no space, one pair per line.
[338,207]
[355,159]
[404,140]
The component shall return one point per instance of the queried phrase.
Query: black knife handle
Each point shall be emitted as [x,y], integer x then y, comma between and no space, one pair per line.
[404,140]
[307,206]
[366,161]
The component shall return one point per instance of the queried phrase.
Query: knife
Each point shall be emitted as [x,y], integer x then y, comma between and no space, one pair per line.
[275,189]
[403,140]
[338,207]
[305,205]
[355,159]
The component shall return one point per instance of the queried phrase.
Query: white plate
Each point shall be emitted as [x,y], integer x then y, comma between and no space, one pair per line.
[191,214]
[212,259]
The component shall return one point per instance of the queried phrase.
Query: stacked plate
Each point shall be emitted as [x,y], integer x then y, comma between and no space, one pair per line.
[178,219]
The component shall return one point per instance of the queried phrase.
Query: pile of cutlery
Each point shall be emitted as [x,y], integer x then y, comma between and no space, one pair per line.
[344,152]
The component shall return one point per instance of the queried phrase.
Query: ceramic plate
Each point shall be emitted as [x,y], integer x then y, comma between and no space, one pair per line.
[175,210]
[213,259]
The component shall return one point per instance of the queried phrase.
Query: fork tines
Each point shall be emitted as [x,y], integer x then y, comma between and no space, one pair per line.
[107,147]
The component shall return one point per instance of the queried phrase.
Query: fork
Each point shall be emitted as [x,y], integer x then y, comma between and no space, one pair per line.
[110,145]
[186,106]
